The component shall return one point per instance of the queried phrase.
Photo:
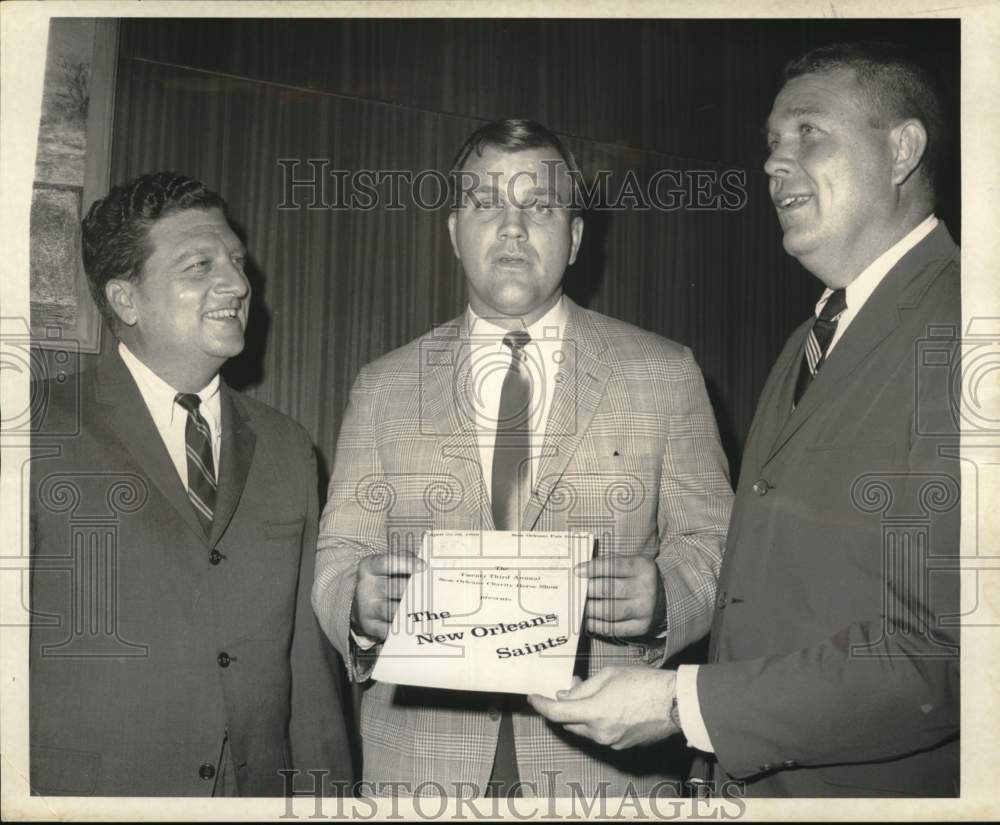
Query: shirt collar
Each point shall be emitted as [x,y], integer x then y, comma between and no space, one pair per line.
[159,395]
[859,290]
[549,327]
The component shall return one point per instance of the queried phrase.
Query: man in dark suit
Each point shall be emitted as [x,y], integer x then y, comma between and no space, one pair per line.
[173,647]
[833,668]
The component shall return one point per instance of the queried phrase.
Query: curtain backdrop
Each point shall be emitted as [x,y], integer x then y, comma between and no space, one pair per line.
[226,101]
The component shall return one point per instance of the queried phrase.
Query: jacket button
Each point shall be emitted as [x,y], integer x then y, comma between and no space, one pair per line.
[206,771]
[789,763]
[760,487]
[723,600]
[224,659]
[494,714]
[767,766]
[215,557]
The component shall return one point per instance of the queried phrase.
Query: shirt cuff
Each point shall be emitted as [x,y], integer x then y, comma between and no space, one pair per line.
[692,723]
[363,642]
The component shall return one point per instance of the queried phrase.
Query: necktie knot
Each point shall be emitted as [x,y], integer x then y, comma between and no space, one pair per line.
[818,341]
[835,304]
[517,340]
[189,401]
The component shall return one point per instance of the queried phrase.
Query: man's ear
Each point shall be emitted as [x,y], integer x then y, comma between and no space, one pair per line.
[118,293]
[909,142]
[453,232]
[576,236]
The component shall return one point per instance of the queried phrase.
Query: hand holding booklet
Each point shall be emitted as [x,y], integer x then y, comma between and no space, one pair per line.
[493,611]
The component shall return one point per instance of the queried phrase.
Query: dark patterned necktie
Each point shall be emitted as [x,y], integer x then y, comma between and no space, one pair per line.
[510,489]
[818,341]
[511,479]
[200,466]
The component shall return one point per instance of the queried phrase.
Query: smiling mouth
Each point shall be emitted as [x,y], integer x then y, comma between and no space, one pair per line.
[222,314]
[792,202]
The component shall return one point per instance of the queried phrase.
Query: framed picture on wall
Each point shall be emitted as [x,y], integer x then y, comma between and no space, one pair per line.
[71,171]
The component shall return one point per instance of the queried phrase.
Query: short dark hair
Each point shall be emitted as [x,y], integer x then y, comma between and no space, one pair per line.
[514,135]
[116,229]
[897,87]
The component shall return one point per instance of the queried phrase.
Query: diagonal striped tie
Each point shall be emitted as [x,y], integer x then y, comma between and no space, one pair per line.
[818,341]
[200,466]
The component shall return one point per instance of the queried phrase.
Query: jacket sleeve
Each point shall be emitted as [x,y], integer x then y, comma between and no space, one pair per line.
[351,528]
[824,705]
[695,500]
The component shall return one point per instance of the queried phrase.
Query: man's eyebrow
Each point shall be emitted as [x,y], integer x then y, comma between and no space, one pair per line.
[805,111]
[796,111]
[541,190]
[802,111]
[203,248]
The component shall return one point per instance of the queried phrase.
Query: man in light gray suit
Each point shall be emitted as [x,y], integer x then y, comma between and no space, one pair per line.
[621,442]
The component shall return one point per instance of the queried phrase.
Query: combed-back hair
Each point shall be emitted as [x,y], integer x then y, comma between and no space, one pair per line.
[514,135]
[116,230]
[896,85]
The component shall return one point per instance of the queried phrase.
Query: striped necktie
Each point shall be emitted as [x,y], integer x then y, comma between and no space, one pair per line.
[818,341]
[200,466]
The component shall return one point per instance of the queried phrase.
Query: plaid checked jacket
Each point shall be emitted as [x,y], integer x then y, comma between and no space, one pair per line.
[631,453]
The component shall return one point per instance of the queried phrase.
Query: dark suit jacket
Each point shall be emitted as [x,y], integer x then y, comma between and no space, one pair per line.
[144,651]
[834,645]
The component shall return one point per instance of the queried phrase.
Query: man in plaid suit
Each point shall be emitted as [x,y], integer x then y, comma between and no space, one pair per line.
[623,445]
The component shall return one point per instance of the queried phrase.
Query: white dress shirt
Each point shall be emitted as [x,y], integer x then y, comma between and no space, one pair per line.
[170,417]
[856,294]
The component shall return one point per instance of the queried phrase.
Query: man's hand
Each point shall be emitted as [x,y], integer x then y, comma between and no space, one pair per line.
[381,581]
[624,596]
[618,706]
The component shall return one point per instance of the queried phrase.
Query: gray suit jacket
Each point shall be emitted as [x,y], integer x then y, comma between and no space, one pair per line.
[835,639]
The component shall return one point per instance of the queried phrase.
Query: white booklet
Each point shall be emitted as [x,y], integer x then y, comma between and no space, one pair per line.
[493,611]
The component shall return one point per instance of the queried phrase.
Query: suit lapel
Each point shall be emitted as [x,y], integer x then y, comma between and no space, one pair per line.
[877,319]
[130,419]
[235,458]
[447,410]
[777,400]
[580,386]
